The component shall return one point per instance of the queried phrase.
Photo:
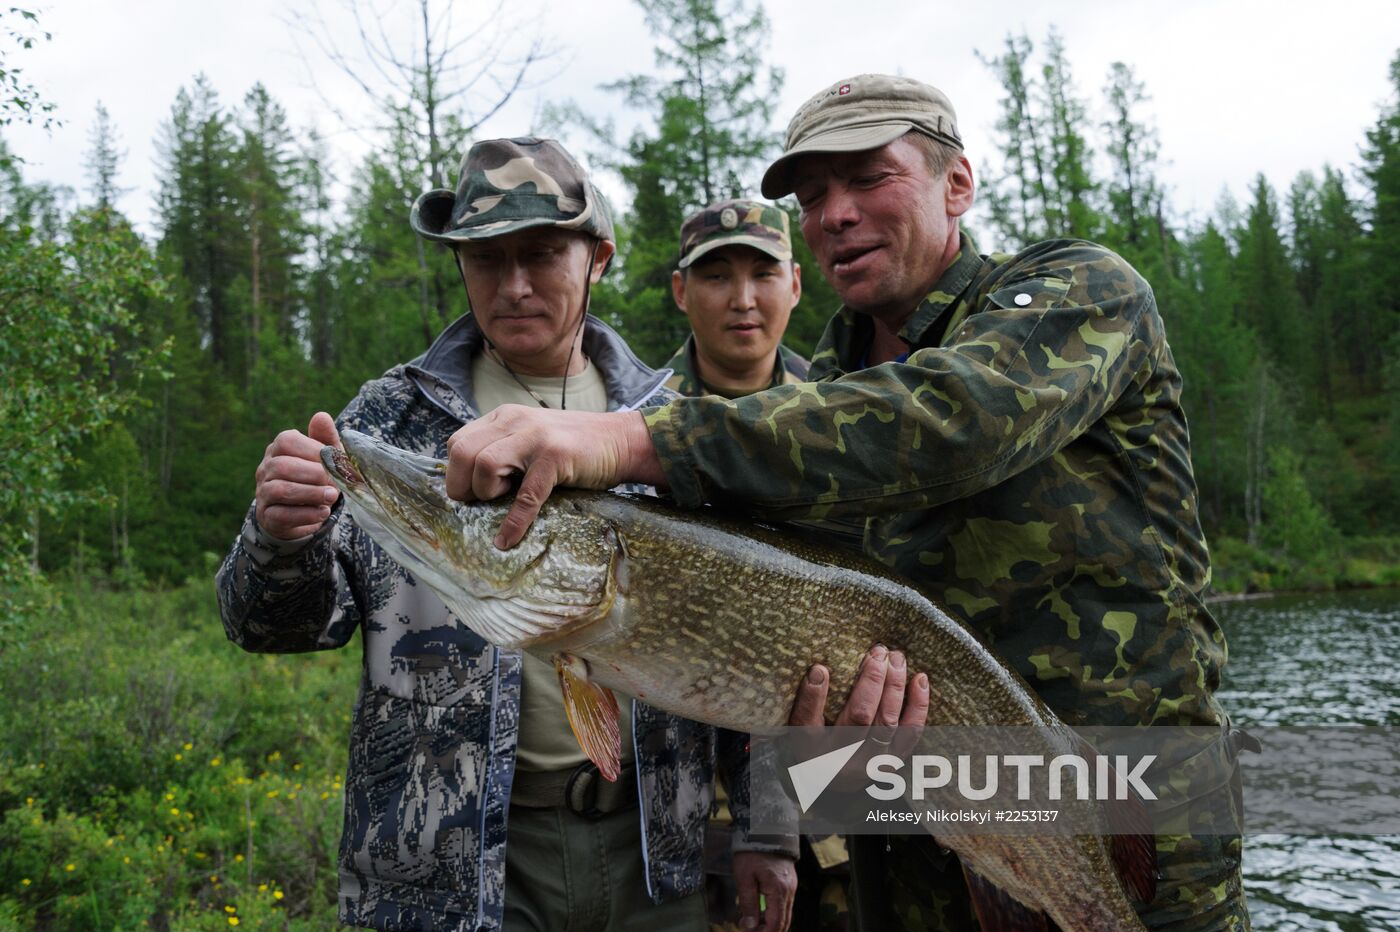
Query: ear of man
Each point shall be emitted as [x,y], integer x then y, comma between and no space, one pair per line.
[678,290]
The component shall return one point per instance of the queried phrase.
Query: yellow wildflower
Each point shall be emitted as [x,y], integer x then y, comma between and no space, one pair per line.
[25,882]
[216,761]
[233,920]
[238,858]
[70,867]
[189,746]
[277,894]
[230,909]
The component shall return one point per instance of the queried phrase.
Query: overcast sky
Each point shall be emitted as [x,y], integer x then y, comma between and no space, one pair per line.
[1237,86]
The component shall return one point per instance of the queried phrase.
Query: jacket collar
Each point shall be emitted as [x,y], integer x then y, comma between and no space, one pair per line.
[788,369]
[848,334]
[443,373]
[947,292]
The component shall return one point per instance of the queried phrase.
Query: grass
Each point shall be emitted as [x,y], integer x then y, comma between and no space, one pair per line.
[152,775]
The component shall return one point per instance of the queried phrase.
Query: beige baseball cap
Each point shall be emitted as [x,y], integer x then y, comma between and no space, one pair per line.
[864,112]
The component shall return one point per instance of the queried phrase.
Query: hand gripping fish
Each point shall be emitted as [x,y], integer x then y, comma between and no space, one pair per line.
[718,620]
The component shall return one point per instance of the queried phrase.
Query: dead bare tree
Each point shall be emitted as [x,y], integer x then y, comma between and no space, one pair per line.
[432,86]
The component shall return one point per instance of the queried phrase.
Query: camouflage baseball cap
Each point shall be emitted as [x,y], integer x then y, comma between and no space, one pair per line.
[508,185]
[864,112]
[735,223]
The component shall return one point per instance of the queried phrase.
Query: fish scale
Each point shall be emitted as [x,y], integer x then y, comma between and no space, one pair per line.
[675,607]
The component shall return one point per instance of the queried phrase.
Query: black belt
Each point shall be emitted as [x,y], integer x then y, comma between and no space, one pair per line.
[582,791]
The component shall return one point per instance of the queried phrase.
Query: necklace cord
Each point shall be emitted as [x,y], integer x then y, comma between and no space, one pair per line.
[496,353]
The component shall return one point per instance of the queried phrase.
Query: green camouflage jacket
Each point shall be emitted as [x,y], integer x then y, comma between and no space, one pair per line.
[788,369]
[1028,465]
[432,741]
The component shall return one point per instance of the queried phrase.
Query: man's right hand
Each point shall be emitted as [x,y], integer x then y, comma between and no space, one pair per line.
[294,493]
[883,695]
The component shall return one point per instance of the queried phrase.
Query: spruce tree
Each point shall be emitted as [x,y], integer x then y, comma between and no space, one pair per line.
[1133,191]
[200,228]
[706,139]
[104,161]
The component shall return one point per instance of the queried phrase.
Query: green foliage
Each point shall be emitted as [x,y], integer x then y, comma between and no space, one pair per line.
[152,772]
[70,362]
[707,132]
[1134,196]
[1295,524]
[1045,187]
[20,100]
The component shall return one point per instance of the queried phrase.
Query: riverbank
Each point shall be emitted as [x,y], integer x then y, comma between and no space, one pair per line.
[1239,568]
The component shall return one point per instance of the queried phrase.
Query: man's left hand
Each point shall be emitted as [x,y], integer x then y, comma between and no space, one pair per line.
[774,876]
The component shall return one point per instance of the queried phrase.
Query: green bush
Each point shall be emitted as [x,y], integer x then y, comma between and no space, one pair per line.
[152,774]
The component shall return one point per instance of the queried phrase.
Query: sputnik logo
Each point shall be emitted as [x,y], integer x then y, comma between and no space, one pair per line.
[811,777]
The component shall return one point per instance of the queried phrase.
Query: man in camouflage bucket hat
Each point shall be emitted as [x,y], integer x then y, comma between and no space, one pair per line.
[1009,429]
[737,284]
[468,802]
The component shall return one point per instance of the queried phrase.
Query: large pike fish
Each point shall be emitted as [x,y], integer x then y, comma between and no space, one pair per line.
[718,620]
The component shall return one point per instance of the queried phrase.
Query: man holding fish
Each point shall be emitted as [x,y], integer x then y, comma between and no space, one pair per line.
[468,802]
[1007,427]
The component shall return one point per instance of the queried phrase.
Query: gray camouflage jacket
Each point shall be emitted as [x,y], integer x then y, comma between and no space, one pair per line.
[432,743]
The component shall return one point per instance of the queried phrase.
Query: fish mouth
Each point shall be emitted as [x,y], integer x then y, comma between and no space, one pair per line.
[341,467]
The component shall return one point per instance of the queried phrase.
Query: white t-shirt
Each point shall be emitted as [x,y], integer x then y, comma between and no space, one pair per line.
[547,742]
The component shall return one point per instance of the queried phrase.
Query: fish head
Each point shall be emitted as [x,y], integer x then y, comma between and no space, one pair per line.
[559,578]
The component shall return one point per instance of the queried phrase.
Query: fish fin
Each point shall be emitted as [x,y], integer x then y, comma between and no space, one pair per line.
[997,909]
[593,716]
[1132,844]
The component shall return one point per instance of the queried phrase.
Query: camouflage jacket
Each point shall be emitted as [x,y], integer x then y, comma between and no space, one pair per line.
[1028,465]
[432,743]
[788,369]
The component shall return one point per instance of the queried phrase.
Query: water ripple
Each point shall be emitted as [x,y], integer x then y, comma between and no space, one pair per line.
[1314,660]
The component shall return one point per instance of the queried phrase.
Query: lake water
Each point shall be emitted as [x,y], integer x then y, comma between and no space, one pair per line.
[1316,660]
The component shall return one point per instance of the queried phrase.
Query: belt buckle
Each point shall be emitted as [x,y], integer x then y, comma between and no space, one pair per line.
[577,790]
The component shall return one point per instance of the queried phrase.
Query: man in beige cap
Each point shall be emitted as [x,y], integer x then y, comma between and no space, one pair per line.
[1009,429]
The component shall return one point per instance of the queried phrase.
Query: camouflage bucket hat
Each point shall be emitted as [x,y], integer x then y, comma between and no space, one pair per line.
[508,185]
[860,113]
[735,223]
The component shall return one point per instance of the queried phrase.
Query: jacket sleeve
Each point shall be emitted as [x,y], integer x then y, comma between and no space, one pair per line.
[287,596]
[732,761]
[1044,354]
